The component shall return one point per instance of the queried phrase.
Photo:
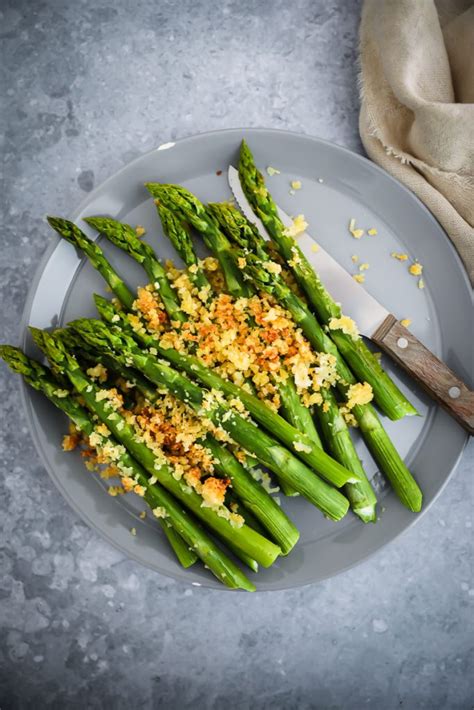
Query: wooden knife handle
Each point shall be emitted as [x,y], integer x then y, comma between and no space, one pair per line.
[432,374]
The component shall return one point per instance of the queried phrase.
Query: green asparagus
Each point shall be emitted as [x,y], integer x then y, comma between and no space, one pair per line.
[188,207]
[250,543]
[188,534]
[362,361]
[68,231]
[336,432]
[125,237]
[375,436]
[304,447]
[213,406]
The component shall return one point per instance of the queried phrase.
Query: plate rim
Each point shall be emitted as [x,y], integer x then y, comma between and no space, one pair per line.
[180,575]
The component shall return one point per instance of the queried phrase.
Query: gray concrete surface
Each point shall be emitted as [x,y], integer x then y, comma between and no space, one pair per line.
[87,86]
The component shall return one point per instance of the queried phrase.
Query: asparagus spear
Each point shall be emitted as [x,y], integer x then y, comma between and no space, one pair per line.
[270,420]
[217,241]
[125,237]
[253,495]
[336,432]
[190,533]
[83,351]
[68,231]
[180,238]
[188,207]
[250,543]
[239,230]
[234,225]
[289,435]
[210,405]
[362,361]
[339,442]
[371,428]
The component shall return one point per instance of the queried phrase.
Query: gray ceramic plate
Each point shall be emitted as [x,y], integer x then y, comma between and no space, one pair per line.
[351,187]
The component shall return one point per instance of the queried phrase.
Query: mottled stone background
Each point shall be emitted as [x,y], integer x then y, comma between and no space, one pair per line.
[86,87]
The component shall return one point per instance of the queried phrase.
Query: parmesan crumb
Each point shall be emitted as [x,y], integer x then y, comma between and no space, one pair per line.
[272,171]
[364,267]
[372,232]
[399,256]
[345,324]
[304,448]
[133,531]
[298,227]
[272,267]
[415,269]
[142,515]
[360,278]
[406,322]
[139,230]
[356,233]
[213,490]
[355,258]
[421,284]
[296,184]
[360,393]
[160,512]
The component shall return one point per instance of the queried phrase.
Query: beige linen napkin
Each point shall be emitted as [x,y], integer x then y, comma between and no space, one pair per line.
[417,112]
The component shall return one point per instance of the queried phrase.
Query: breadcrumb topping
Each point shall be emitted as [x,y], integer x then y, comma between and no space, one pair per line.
[359,393]
[253,342]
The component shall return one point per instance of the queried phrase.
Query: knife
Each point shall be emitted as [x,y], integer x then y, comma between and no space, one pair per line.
[375,321]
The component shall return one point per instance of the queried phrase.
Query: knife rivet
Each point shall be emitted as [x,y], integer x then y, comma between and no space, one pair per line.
[454,392]
[402,343]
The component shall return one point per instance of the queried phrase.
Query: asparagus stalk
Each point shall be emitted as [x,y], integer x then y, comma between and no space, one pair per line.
[186,533]
[68,231]
[247,541]
[180,238]
[336,432]
[125,237]
[253,495]
[339,442]
[362,361]
[269,452]
[234,225]
[277,523]
[217,242]
[239,230]
[328,468]
[190,210]
[83,351]
[375,436]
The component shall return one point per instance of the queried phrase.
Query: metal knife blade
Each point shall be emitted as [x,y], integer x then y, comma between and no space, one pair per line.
[356,302]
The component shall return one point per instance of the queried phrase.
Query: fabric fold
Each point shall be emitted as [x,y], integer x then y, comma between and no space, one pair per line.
[417,79]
